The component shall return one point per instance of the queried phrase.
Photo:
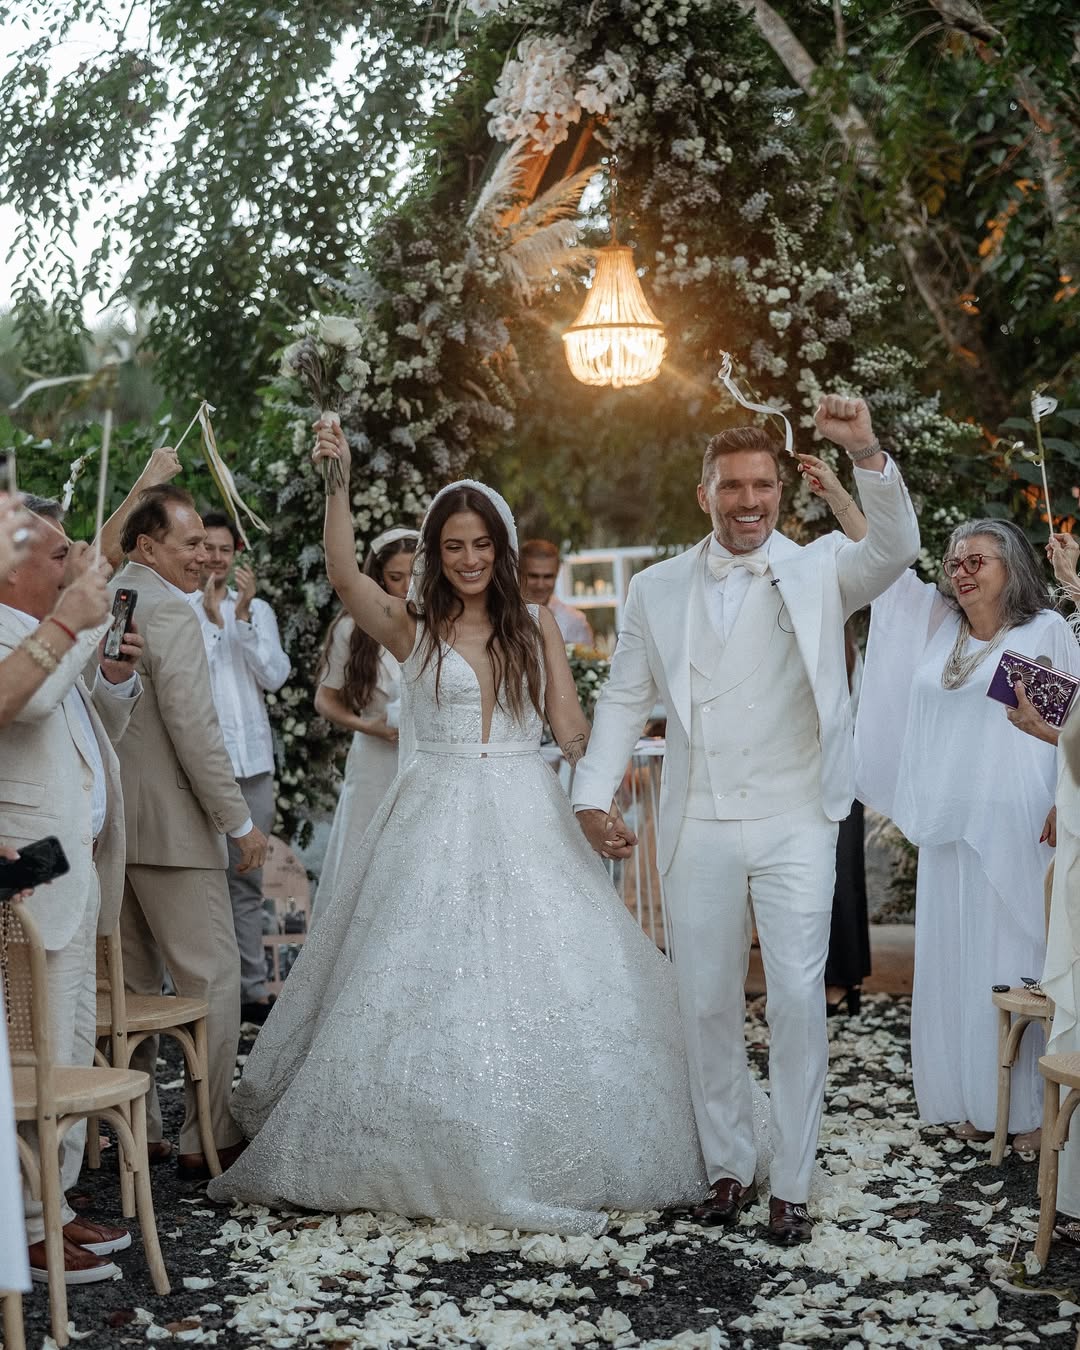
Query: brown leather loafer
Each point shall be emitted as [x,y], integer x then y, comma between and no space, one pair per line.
[789,1224]
[725,1202]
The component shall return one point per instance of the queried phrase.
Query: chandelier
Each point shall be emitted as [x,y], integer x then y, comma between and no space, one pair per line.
[616,339]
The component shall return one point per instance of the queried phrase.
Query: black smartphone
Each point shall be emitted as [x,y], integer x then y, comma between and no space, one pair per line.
[37,863]
[123,607]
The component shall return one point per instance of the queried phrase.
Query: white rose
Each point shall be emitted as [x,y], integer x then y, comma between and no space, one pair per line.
[340,332]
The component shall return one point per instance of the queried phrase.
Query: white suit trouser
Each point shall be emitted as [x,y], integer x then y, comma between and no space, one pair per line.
[72,974]
[784,867]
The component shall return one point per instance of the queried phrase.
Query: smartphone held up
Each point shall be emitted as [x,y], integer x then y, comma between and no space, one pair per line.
[122,611]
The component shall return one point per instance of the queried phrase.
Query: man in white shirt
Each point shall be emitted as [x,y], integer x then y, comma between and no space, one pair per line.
[743,639]
[59,776]
[246,661]
[538,560]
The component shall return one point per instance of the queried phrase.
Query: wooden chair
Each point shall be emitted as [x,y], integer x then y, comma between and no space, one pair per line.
[58,1096]
[125,1020]
[14,1337]
[1059,1071]
[1017,1010]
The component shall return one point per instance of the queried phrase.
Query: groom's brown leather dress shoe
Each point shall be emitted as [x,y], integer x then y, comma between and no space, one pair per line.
[789,1224]
[725,1202]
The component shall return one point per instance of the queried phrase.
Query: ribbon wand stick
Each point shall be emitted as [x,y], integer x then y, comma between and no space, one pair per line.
[1042,405]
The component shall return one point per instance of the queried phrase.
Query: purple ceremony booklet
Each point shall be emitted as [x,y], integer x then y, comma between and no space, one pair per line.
[1051,691]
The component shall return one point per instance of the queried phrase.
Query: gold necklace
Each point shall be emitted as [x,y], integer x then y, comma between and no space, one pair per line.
[959,667]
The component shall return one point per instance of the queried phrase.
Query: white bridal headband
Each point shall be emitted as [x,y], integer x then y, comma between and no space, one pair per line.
[392,536]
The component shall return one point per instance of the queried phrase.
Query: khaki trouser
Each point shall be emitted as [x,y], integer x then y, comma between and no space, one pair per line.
[180,919]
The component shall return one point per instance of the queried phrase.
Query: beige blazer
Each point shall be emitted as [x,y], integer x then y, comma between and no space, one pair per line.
[180,793]
[46,781]
[821,585]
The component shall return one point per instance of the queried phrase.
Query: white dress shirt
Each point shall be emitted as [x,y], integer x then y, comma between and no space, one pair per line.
[573,625]
[75,707]
[246,661]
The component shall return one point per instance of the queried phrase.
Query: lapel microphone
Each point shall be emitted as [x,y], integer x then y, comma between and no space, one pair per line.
[775,581]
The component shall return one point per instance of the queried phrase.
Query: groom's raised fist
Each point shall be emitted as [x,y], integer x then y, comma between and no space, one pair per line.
[845,422]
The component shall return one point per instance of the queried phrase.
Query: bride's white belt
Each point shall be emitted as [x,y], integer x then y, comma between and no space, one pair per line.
[477,749]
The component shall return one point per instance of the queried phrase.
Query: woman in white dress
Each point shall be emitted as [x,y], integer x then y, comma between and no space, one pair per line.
[358,689]
[476,1028]
[944,762]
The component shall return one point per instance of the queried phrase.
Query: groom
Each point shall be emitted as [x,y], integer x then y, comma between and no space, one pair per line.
[742,637]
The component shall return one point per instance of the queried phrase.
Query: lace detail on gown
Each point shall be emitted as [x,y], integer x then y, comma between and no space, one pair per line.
[476,1028]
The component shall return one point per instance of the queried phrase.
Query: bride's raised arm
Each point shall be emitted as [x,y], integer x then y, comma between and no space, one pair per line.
[383,617]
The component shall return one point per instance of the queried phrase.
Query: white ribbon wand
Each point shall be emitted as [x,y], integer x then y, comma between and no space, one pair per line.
[724,376]
[1042,405]
[221,475]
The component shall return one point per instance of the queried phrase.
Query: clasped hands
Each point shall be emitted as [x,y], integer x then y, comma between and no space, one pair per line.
[608,834]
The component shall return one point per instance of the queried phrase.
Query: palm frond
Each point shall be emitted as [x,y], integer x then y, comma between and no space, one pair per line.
[501,189]
[562,199]
[533,261]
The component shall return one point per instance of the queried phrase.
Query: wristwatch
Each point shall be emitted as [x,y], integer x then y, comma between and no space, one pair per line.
[874,448]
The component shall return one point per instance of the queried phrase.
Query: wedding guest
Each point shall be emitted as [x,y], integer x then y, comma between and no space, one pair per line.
[14,1265]
[950,768]
[246,662]
[1061,974]
[182,799]
[83,604]
[61,777]
[162,467]
[539,562]
[358,688]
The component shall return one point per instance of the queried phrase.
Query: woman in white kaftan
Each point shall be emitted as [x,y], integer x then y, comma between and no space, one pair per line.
[973,792]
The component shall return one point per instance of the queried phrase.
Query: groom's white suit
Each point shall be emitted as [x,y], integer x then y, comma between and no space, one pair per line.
[758,770]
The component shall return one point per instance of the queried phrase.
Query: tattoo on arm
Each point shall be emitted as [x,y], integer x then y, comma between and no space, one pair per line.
[387,611]
[574,748]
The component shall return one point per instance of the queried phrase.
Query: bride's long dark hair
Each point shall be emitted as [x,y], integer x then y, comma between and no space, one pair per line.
[514,648]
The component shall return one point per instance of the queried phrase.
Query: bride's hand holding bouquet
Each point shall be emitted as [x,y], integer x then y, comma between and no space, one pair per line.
[332,453]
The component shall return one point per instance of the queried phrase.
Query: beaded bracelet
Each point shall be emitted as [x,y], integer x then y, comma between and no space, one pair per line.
[874,448]
[40,654]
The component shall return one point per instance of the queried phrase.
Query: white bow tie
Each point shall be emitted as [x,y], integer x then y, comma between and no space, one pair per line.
[756,562]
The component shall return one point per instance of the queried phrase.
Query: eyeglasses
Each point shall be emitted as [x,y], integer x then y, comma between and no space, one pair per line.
[970,562]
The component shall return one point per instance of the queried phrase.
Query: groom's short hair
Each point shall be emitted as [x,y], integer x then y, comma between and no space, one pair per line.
[736,440]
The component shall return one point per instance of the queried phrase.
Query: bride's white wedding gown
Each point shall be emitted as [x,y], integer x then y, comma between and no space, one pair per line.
[476,1028]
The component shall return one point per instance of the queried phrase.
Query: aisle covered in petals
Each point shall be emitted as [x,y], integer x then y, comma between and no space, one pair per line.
[921,1243]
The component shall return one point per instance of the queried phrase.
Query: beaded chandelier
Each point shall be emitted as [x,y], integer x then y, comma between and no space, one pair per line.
[616,339]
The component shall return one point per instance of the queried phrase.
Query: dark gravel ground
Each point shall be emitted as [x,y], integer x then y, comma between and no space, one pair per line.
[686,1294]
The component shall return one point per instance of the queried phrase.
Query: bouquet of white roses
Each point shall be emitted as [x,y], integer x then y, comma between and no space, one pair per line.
[324,365]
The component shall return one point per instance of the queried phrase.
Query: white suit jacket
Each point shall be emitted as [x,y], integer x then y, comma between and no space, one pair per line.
[46,782]
[821,584]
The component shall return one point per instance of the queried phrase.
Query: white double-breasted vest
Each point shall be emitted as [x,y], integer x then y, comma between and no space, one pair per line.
[755,745]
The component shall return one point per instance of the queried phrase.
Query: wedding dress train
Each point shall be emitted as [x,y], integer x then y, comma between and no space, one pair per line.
[476,1028]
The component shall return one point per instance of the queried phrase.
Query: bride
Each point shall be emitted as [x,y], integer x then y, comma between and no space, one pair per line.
[476,1029]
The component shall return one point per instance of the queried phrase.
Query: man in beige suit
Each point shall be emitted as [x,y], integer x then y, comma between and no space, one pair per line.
[182,800]
[59,775]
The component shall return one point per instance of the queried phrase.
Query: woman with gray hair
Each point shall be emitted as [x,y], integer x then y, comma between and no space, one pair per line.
[950,768]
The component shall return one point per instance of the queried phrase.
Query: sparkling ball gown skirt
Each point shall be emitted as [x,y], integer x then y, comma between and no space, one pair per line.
[476,1028]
